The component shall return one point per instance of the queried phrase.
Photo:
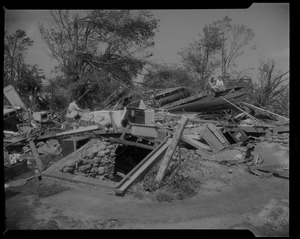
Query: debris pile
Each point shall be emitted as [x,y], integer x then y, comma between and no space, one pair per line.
[97,161]
[176,145]
[51,146]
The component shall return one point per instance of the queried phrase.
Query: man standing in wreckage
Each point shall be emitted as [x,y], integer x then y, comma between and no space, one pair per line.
[74,111]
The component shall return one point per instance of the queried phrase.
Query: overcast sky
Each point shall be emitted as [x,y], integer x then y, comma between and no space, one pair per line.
[178,28]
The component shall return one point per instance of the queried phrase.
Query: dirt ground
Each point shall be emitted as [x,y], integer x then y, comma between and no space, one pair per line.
[233,200]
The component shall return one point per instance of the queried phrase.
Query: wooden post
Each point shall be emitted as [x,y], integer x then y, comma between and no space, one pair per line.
[250,116]
[36,155]
[171,149]
[113,122]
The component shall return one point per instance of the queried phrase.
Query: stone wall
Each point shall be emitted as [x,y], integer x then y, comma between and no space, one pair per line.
[97,161]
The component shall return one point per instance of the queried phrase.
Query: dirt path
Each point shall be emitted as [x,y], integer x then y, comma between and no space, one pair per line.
[244,202]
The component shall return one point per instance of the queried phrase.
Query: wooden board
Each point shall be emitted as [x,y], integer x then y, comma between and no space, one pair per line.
[186,100]
[139,170]
[81,179]
[218,134]
[211,139]
[171,149]
[36,155]
[126,142]
[192,140]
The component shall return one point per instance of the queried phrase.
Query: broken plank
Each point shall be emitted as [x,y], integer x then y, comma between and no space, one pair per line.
[80,179]
[80,130]
[141,169]
[218,134]
[113,121]
[190,139]
[210,138]
[36,155]
[126,142]
[263,110]
[171,149]
[70,132]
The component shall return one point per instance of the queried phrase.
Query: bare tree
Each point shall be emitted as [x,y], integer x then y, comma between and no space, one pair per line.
[235,38]
[273,87]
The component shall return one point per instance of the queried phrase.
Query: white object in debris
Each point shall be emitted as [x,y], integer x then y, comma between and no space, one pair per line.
[142,105]
[13,158]
[239,156]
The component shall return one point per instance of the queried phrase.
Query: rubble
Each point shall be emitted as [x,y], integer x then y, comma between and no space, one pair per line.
[211,133]
[95,161]
[51,146]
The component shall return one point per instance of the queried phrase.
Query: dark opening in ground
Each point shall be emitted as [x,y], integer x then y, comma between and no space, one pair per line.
[127,157]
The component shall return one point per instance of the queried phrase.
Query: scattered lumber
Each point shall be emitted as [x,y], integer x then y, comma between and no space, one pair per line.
[141,169]
[263,110]
[192,140]
[36,155]
[166,160]
[113,122]
[214,137]
[70,132]
[250,116]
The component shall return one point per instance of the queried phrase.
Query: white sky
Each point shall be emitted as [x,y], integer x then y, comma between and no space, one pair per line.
[178,28]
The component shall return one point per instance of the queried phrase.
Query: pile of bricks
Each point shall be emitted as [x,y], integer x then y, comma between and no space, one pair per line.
[97,161]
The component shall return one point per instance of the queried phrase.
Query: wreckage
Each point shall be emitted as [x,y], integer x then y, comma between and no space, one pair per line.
[115,148]
[202,102]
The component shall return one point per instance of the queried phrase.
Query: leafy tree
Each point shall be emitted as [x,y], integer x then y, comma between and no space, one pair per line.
[30,81]
[199,58]
[234,41]
[26,78]
[163,76]
[15,48]
[219,45]
[102,45]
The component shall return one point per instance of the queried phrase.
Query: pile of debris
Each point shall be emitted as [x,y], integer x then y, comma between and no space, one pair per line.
[51,146]
[173,143]
[97,161]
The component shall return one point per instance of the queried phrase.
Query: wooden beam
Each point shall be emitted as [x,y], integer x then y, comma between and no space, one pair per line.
[263,110]
[113,122]
[126,142]
[36,156]
[250,116]
[166,160]
[192,141]
[139,170]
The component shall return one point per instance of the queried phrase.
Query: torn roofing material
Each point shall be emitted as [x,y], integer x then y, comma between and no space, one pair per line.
[210,101]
